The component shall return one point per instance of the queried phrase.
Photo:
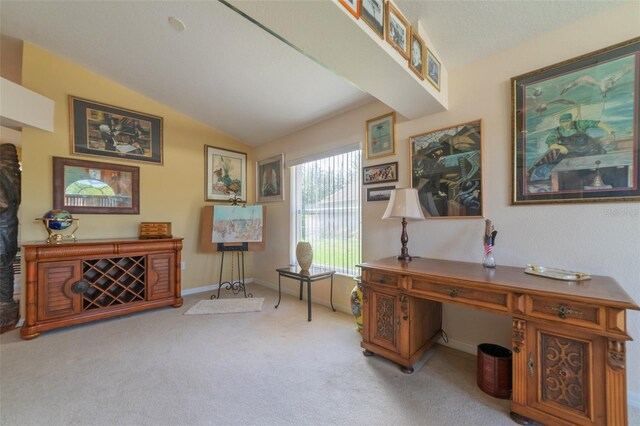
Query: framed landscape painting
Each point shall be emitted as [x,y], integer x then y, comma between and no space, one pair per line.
[225,174]
[108,131]
[269,177]
[575,129]
[380,193]
[81,186]
[446,169]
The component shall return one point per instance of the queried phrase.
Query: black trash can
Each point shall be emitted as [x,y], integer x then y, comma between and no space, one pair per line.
[494,370]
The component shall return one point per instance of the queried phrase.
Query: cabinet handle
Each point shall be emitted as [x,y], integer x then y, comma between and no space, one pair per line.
[454,292]
[563,310]
[383,280]
[79,287]
[531,365]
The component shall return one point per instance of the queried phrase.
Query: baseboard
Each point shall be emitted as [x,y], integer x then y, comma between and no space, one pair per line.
[210,287]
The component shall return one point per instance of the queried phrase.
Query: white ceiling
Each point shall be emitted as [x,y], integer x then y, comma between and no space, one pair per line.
[230,74]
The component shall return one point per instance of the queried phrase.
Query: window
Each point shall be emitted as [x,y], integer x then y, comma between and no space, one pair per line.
[326,202]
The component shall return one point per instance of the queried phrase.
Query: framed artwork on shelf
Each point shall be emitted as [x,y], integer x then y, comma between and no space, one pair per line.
[270,178]
[380,193]
[109,131]
[398,30]
[380,136]
[433,70]
[373,14]
[446,169]
[225,174]
[380,173]
[416,60]
[93,187]
[575,129]
[353,7]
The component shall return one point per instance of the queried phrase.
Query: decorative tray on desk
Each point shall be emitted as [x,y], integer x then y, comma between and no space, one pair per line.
[556,274]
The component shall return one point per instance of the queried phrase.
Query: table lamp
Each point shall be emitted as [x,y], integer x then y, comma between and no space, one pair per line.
[404,204]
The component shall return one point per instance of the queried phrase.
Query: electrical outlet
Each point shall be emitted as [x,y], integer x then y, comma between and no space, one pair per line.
[182,265]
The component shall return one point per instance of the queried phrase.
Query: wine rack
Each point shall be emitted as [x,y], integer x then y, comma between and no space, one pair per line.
[77,282]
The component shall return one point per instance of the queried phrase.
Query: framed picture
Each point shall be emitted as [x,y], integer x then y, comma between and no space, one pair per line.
[81,186]
[380,136]
[398,30]
[433,70]
[416,60]
[380,193]
[380,173]
[446,169]
[225,174]
[373,13]
[575,129]
[353,6]
[270,178]
[108,131]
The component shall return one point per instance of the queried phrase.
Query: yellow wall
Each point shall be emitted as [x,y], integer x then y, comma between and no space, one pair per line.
[172,192]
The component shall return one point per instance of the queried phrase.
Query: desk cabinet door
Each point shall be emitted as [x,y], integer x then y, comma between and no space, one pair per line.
[161,275]
[561,377]
[384,320]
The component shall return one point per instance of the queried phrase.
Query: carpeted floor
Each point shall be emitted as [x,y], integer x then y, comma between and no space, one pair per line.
[259,368]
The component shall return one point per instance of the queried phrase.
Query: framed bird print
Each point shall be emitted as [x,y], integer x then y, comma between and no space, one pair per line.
[575,129]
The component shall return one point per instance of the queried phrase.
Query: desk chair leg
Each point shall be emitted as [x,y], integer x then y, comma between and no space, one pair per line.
[309,298]
[331,295]
[279,291]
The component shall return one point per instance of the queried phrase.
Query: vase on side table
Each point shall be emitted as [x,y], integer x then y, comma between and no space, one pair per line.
[304,255]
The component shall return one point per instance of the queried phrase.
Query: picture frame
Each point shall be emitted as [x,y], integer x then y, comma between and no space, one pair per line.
[387,172]
[380,193]
[354,7]
[575,129]
[397,30]
[225,174]
[380,136]
[108,131]
[270,179]
[446,169]
[416,59]
[432,71]
[373,13]
[93,187]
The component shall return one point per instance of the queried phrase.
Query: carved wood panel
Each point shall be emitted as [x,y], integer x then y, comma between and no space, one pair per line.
[384,317]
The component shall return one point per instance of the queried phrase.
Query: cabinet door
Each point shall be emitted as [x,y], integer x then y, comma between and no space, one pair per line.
[160,276]
[384,321]
[55,296]
[563,378]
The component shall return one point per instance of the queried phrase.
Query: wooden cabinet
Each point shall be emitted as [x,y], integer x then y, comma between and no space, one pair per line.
[73,283]
[568,339]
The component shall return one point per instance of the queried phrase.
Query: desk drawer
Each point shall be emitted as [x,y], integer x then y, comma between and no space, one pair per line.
[386,279]
[494,300]
[576,313]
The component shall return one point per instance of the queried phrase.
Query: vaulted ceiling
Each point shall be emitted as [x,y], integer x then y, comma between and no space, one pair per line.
[233,75]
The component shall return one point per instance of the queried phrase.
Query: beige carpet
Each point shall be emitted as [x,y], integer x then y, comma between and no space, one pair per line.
[163,368]
[226,306]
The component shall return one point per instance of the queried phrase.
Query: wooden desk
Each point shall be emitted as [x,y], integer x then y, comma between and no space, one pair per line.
[568,338]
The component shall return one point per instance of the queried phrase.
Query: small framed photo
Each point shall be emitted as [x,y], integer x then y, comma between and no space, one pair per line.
[270,178]
[446,169]
[225,174]
[433,70]
[398,30]
[93,187]
[576,134]
[380,173]
[108,131]
[380,136]
[373,13]
[353,6]
[380,193]
[416,60]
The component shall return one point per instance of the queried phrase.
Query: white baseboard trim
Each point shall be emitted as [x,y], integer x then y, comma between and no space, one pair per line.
[210,287]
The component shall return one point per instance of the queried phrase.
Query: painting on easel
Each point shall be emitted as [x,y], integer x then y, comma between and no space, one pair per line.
[237,224]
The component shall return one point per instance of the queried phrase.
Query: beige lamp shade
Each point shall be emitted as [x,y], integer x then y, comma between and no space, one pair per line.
[404,203]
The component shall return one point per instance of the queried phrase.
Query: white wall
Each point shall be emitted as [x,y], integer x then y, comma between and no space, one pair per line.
[598,238]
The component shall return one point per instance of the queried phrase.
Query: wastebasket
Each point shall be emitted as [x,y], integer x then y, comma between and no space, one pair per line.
[494,370]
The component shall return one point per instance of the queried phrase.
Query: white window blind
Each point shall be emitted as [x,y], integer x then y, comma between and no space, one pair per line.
[326,203]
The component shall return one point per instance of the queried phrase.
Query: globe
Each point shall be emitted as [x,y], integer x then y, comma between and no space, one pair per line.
[58,219]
